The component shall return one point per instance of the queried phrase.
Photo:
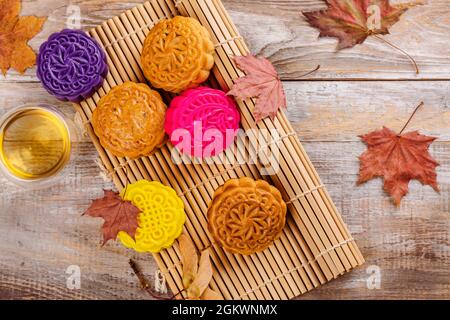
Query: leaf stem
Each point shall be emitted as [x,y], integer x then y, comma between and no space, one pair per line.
[410,118]
[144,283]
[416,67]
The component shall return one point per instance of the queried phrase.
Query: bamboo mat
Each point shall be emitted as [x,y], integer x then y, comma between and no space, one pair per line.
[315,246]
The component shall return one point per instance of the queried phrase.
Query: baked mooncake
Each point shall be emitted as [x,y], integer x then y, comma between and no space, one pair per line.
[202,122]
[71,65]
[129,120]
[246,216]
[177,54]
[161,219]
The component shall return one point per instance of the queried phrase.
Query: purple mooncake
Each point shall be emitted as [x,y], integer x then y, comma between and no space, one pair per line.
[71,65]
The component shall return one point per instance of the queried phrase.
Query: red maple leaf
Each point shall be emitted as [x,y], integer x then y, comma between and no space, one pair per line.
[352,21]
[119,215]
[261,82]
[398,159]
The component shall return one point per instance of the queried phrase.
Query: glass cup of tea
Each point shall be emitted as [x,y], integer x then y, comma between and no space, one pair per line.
[37,144]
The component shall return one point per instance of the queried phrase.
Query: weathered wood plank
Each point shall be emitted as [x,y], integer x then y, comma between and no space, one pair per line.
[290,43]
[42,232]
[410,244]
[338,110]
[325,110]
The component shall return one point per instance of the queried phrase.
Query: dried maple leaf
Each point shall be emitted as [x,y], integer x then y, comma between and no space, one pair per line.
[15,32]
[352,21]
[119,215]
[196,275]
[398,158]
[261,82]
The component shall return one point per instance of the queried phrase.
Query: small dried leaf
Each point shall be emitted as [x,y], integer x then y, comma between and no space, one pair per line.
[196,276]
[189,259]
[119,215]
[398,159]
[203,277]
[261,82]
[15,32]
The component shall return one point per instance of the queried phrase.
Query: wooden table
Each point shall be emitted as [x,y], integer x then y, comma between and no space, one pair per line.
[42,232]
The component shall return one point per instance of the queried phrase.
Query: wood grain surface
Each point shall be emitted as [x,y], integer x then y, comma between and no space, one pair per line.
[42,232]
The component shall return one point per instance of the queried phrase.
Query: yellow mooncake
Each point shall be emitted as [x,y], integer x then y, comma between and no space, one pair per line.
[161,219]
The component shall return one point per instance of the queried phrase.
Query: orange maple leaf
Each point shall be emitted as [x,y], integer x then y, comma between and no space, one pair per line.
[398,159]
[15,32]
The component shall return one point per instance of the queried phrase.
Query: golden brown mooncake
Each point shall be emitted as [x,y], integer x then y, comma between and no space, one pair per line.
[246,216]
[129,120]
[177,54]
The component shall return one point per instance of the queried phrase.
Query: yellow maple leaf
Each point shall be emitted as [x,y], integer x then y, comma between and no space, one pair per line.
[15,32]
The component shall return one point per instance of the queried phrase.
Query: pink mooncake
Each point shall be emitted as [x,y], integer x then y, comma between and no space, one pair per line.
[202,122]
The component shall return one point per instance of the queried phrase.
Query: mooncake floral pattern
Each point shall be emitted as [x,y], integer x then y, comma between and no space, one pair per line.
[71,65]
[177,54]
[209,109]
[129,120]
[161,219]
[246,216]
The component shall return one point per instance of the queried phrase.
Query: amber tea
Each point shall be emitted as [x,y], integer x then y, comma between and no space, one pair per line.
[34,143]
